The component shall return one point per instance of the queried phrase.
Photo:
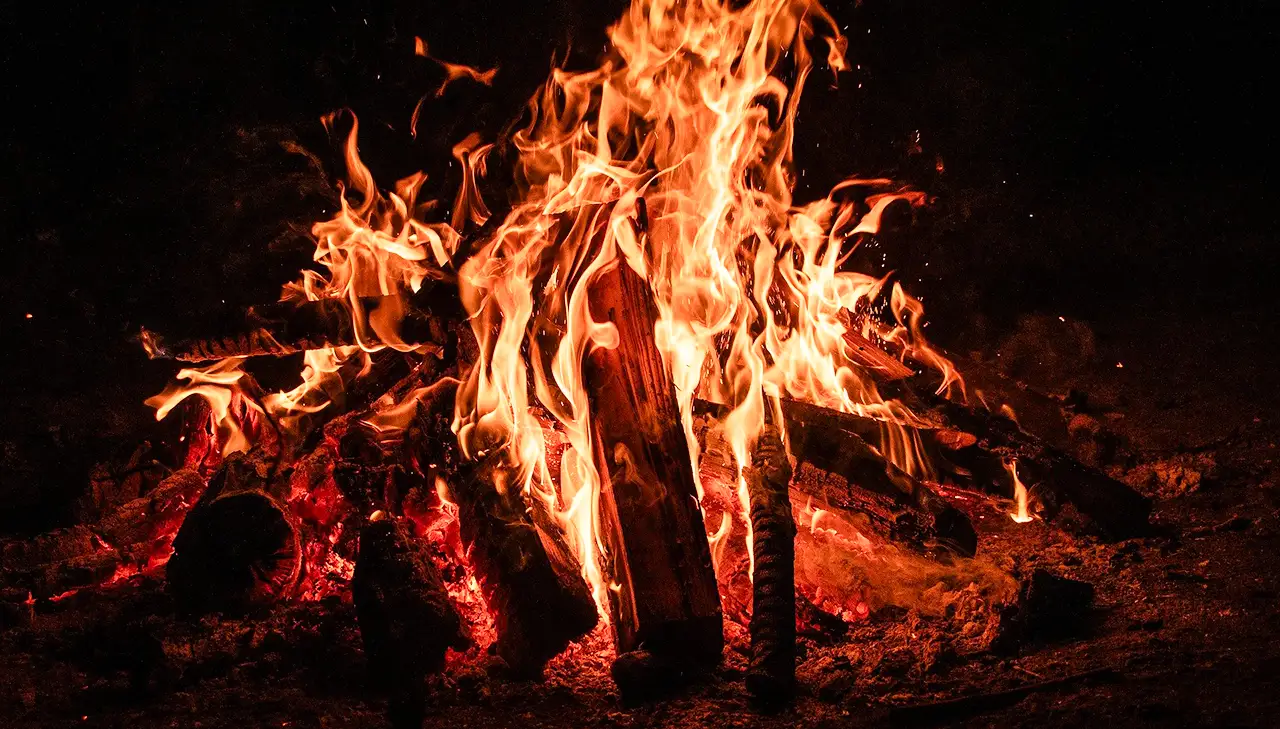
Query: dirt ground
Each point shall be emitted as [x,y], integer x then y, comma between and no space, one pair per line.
[1181,632]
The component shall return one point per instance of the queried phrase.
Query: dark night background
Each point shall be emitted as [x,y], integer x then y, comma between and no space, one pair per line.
[1103,161]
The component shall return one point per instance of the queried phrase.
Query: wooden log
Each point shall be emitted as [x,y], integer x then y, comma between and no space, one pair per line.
[537,610]
[882,366]
[406,620]
[830,440]
[839,470]
[287,327]
[143,529]
[771,676]
[239,547]
[656,545]
[1093,501]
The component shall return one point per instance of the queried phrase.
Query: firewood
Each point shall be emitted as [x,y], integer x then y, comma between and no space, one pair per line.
[406,619]
[1098,503]
[829,440]
[771,676]
[139,528]
[537,609]
[882,366]
[643,676]
[287,327]
[839,470]
[656,545]
[239,547]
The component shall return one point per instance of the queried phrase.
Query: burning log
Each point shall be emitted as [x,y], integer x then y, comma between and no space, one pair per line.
[836,467]
[537,609]
[286,327]
[135,536]
[239,547]
[667,599]
[771,676]
[1104,505]
[406,619]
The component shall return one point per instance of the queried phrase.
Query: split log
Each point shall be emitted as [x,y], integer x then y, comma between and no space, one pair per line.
[1104,505]
[656,546]
[771,676]
[406,620]
[239,547]
[884,367]
[537,609]
[135,534]
[287,327]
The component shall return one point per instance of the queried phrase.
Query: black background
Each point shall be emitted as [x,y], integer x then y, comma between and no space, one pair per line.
[1099,158]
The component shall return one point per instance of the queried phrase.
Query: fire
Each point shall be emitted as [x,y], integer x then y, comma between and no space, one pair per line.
[673,157]
[1023,514]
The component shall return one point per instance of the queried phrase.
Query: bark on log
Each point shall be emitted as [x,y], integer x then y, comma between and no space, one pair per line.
[284,328]
[140,528]
[537,610]
[239,546]
[406,620]
[656,545]
[771,676]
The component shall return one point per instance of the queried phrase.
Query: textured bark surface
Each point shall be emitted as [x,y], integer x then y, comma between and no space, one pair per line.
[537,609]
[771,676]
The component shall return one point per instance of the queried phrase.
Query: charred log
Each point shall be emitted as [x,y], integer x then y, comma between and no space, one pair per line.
[657,550]
[406,619]
[239,547]
[771,676]
[1099,503]
[286,327]
[836,468]
[537,609]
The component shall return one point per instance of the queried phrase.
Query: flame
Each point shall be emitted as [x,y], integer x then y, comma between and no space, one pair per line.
[673,157]
[1023,514]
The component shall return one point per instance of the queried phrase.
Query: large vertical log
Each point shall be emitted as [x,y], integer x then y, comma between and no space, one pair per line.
[652,526]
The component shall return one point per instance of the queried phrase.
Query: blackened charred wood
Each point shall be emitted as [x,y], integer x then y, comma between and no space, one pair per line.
[239,546]
[838,469]
[134,535]
[830,440]
[771,675]
[407,621]
[142,529]
[643,676]
[284,328]
[1099,503]
[656,545]
[537,610]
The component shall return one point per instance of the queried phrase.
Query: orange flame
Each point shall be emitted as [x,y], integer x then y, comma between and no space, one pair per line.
[1023,514]
[673,157]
